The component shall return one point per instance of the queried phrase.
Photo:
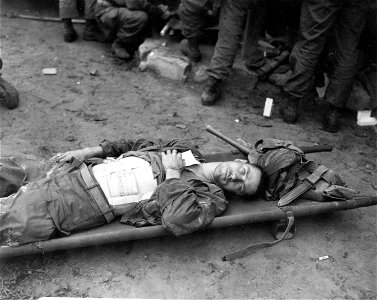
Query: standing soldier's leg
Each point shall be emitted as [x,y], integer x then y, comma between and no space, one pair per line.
[316,19]
[252,56]
[232,20]
[68,11]
[192,14]
[350,24]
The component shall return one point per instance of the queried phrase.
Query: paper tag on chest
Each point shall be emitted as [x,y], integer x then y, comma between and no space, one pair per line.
[122,183]
[125,180]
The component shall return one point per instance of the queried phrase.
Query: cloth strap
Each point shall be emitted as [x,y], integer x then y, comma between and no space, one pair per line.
[255,247]
[95,190]
[306,185]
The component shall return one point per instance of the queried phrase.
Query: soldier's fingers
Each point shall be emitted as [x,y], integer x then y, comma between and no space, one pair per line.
[66,158]
[56,157]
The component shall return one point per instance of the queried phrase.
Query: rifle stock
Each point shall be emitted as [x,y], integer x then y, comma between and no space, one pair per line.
[245,150]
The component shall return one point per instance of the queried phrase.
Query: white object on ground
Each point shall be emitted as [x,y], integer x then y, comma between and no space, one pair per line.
[268,107]
[165,65]
[364,118]
[49,71]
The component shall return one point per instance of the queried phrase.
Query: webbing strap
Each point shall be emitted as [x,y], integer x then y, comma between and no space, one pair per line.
[96,192]
[255,247]
[306,185]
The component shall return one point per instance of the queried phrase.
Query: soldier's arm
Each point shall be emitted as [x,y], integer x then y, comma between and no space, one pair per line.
[105,149]
[79,154]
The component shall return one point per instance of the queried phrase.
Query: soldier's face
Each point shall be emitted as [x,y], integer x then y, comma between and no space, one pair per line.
[237,177]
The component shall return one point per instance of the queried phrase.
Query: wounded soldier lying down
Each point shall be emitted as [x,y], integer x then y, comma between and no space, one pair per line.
[145,182]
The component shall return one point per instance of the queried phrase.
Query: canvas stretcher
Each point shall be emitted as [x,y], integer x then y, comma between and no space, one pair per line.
[239,212]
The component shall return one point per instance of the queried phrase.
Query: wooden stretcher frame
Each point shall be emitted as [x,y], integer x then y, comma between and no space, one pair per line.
[239,212]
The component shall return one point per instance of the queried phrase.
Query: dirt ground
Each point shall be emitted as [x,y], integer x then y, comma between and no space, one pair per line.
[73,110]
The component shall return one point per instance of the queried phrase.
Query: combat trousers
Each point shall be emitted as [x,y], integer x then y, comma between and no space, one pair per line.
[129,26]
[194,14]
[347,18]
[68,9]
[49,198]
[235,14]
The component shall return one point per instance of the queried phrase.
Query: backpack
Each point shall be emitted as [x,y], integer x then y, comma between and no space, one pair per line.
[291,175]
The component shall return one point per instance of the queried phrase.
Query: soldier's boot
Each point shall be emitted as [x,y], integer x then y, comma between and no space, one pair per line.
[289,109]
[8,94]
[190,48]
[331,120]
[69,33]
[119,50]
[92,32]
[212,91]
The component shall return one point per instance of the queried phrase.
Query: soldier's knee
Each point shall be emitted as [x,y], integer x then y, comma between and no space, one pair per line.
[142,18]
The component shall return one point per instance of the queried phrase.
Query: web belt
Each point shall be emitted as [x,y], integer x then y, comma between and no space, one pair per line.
[94,189]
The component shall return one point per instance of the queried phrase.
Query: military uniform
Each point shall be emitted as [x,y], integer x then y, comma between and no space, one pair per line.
[126,21]
[68,9]
[43,199]
[318,18]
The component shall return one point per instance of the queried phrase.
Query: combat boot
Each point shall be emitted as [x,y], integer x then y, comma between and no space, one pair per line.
[119,50]
[212,91]
[289,109]
[92,32]
[69,33]
[8,94]
[190,48]
[331,119]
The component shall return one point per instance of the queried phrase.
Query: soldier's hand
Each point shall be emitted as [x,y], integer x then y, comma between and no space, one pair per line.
[67,156]
[172,160]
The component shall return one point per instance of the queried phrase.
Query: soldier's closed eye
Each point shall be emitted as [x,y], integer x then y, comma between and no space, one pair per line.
[243,171]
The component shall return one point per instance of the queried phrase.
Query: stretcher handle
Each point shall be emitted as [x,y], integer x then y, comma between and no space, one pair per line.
[245,150]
